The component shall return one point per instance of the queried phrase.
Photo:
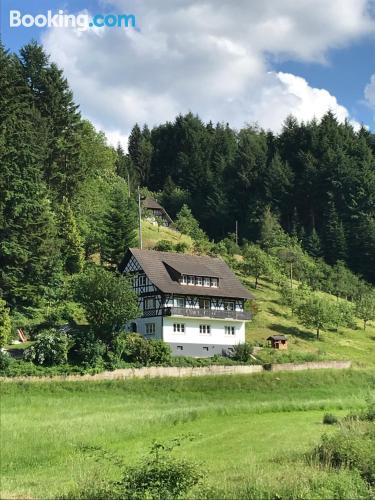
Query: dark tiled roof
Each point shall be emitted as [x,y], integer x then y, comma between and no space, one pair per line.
[151,203]
[153,264]
[277,337]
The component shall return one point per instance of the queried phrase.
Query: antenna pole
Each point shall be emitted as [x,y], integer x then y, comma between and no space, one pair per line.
[140,220]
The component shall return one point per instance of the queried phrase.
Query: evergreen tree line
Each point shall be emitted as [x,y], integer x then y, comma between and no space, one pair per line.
[318,178]
[61,199]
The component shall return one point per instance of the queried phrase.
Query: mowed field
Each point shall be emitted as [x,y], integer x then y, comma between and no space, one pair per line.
[250,433]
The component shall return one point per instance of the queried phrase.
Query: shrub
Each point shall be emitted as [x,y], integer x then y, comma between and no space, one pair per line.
[160,476]
[137,349]
[164,246]
[5,360]
[351,447]
[88,350]
[181,247]
[242,352]
[330,419]
[51,348]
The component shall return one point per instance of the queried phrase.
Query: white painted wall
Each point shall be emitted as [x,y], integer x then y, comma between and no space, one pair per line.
[141,326]
[192,335]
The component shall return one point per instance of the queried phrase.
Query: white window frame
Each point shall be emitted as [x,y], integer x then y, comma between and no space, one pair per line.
[183,302]
[142,281]
[179,328]
[150,328]
[229,330]
[229,305]
[205,329]
[206,281]
[214,282]
[198,281]
[146,303]
[191,280]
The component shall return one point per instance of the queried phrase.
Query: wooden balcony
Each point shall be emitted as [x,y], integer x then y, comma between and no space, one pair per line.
[206,313]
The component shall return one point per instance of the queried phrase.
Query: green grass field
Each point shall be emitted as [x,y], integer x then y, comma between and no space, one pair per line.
[250,431]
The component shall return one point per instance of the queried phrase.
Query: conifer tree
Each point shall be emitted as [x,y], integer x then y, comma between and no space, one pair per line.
[29,248]
[312,244]
[5,324]
[120,226]
[335,239]
[72,253]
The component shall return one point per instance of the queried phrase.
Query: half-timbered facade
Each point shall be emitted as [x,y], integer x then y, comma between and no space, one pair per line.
[195,303]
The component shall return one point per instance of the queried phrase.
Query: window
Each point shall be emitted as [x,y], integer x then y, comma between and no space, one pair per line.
[214,282]
[199,280]
[206,281]
[149,303]
[228,305]
[204,304]
[191,280]
[180,348]
[205,348]
[205,329]
[141,280]
[178,328]
[150,328]
[180,302]
[184,280]
[229,330]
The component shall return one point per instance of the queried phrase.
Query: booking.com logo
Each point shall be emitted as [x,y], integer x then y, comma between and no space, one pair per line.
[62,20]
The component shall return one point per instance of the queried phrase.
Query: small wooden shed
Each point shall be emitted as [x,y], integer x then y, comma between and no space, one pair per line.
[278,341]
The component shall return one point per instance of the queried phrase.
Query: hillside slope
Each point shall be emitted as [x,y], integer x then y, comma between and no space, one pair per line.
[273,318]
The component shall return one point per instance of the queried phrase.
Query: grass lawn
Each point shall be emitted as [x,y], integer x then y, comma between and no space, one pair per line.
[152,234]
[247,429]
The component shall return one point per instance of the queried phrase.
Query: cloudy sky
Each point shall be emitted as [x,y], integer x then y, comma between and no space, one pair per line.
[240,61]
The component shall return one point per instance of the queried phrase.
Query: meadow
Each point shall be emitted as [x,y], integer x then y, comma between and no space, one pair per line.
[250,433]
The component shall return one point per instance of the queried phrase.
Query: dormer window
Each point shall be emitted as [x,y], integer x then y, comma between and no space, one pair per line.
[207,281]
[189,279]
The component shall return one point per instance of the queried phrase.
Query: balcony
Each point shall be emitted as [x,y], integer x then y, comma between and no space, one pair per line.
[206,313]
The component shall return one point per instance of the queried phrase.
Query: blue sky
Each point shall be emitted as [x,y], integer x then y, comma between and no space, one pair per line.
[242,63]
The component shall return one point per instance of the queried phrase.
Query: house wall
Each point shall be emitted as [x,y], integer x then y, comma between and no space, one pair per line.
[141,326]
[195,343]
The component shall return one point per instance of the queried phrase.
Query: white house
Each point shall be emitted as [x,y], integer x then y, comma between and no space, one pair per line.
[194,303]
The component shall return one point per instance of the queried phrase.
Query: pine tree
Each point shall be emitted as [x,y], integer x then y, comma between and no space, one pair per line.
[5,324]
[120,227]
[54,100]
[71,243]
[312,244]
[335,247]
[29,248]
[271,233]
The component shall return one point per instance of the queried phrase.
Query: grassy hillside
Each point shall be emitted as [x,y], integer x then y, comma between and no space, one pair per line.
[250,432]
[274,318]
[152,234]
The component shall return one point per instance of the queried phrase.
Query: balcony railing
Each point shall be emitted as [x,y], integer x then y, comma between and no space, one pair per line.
[206,313]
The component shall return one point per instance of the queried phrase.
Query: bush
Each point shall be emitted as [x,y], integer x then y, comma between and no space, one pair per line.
[351,447]
[51,348]
[160,476]
[330,419]
[137,349]
[242,352]
[5,360]
[181,247]
[87,350]
[164,246]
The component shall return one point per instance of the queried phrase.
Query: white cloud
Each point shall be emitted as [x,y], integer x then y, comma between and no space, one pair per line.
[209,58]
[370,92]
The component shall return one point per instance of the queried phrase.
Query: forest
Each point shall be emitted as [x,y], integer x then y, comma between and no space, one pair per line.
[68,198]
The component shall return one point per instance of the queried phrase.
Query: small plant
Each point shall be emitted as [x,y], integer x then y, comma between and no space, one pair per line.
[51,348]
[330,419]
